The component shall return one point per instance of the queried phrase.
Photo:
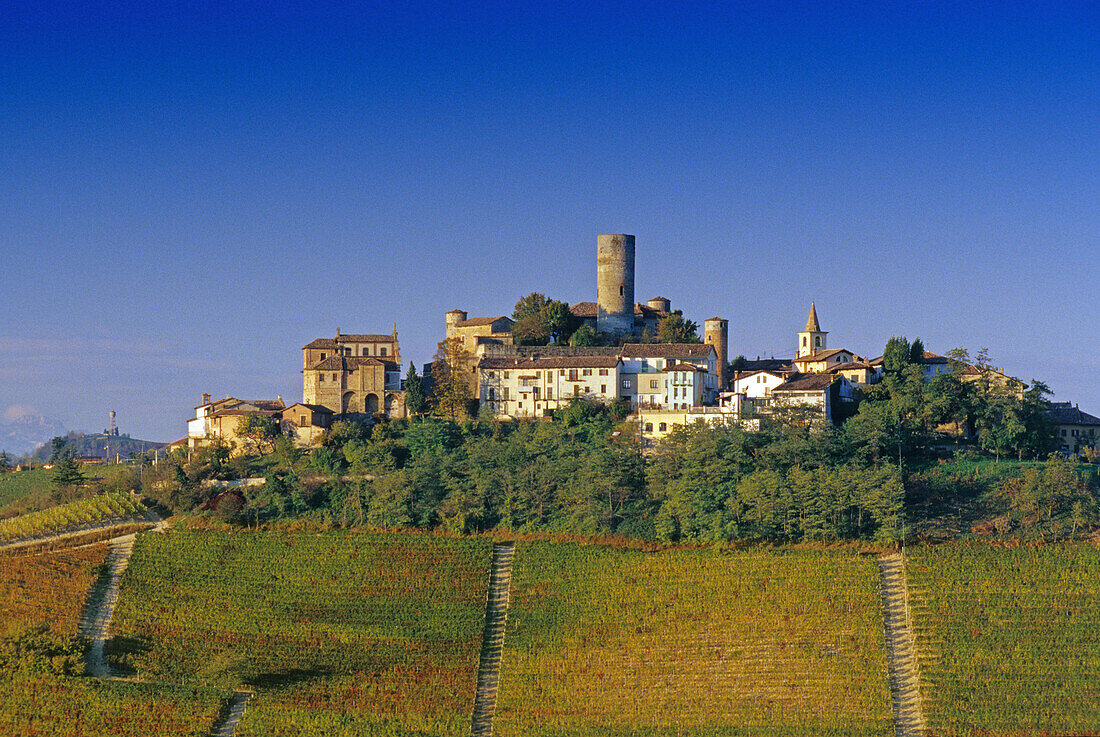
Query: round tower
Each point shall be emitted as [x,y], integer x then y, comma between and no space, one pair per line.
[660,303]
[615,284]
[453,317]
[716,333]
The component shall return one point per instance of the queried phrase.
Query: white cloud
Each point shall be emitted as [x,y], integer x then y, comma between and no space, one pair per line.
[15,411]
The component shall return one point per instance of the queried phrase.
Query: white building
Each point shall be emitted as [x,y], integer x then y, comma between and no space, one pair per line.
[531,387]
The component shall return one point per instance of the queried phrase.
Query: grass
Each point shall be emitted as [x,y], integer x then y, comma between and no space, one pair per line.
[1008,639]
[25,491]
[340,633]
[612,641]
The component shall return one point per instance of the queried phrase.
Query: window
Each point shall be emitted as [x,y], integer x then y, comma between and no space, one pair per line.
[603,388]
[549,392]
[561,372]
[505,374]
[603,372]
[621,293]
[572,374]
[492,394]
[335,377]
[535,393]
[803,341]
[382,351]
[507,394]
[321,379]
[626,383]
[649,427]
[817,341]
[587,372]
[519,404]
[303,423]
[653,383]
[322,355]
[662,427]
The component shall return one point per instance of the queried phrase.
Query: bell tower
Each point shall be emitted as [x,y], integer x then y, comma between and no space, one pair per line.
[812,338]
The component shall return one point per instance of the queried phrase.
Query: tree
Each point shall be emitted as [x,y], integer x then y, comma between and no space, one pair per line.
[529,306]
[451,390]
[675,329]
[59,449]
[583,336]
[67,477]
[539,320]
[5,462]
[415,401]
[258,432]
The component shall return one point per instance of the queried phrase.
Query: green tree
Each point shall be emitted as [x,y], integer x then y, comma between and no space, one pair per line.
[675,329]
[583,336]
[67,477]
[415,401]
[258,432]
[5,462]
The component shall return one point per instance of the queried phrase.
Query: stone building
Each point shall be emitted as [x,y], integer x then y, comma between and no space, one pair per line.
[220,419]
[354,374]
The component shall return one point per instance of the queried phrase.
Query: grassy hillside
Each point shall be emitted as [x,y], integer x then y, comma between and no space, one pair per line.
[41,599]
[605,641]
[24,491]
[342,633]
[1009,639]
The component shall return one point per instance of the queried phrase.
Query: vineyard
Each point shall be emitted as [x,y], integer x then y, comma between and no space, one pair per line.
[47,589]
[41,705]
[67,516]
[340,633]
[1008,639]
[608,641]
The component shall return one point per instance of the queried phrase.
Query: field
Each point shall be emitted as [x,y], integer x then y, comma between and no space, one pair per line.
[50,590]
[1008,639]
[72,515]
[24,491]
[47,589]
[340,633]
[608,641]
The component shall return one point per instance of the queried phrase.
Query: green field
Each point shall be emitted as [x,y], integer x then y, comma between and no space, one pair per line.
[612,641]
[340,633]
[1008,639]
[24,491]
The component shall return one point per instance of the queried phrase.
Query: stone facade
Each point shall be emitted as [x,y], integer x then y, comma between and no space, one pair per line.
[354,375]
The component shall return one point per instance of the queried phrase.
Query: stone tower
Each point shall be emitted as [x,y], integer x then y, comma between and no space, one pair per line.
[812,338]
[716,333]
[615,284]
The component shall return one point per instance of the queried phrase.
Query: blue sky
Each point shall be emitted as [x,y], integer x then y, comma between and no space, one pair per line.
[190,193]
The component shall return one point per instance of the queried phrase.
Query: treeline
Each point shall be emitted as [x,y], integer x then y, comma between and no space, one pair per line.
[879,474]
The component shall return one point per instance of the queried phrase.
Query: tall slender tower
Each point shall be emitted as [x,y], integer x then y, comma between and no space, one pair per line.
[812,338]
[615,284]
[716,333]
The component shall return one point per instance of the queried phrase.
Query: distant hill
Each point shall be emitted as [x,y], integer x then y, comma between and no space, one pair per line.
[99,444]
[20,436]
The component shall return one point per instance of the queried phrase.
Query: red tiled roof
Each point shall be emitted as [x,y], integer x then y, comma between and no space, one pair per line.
[474,322]
[806,383]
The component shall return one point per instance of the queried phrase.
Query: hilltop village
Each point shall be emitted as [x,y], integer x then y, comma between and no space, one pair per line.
[615,351]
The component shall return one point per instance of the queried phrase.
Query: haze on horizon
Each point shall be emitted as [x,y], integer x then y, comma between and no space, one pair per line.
[192,193]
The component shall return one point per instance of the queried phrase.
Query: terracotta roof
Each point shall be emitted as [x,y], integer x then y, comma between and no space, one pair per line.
[823,355]
[584,309]
[930,358]
[550,363]
[812,325]
[350,363]
[349,338]
[478,321]
[267,405]
[768,364]
[712,319]
[1063,413]
[850,366]
[683,367]
[313,407]
[644,311]
[746,374]
[667,350]
[806,383]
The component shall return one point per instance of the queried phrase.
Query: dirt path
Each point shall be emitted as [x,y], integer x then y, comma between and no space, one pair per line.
[228,724]
[904,674]
[492,641]
[96,623]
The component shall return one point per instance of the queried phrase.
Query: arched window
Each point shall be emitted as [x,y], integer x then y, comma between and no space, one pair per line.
[803,341]
[662,427]
[621,292]
[817,341]
[649,427]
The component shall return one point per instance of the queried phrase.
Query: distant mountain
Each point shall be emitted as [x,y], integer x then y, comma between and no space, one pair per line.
[19,437]
[98,444]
